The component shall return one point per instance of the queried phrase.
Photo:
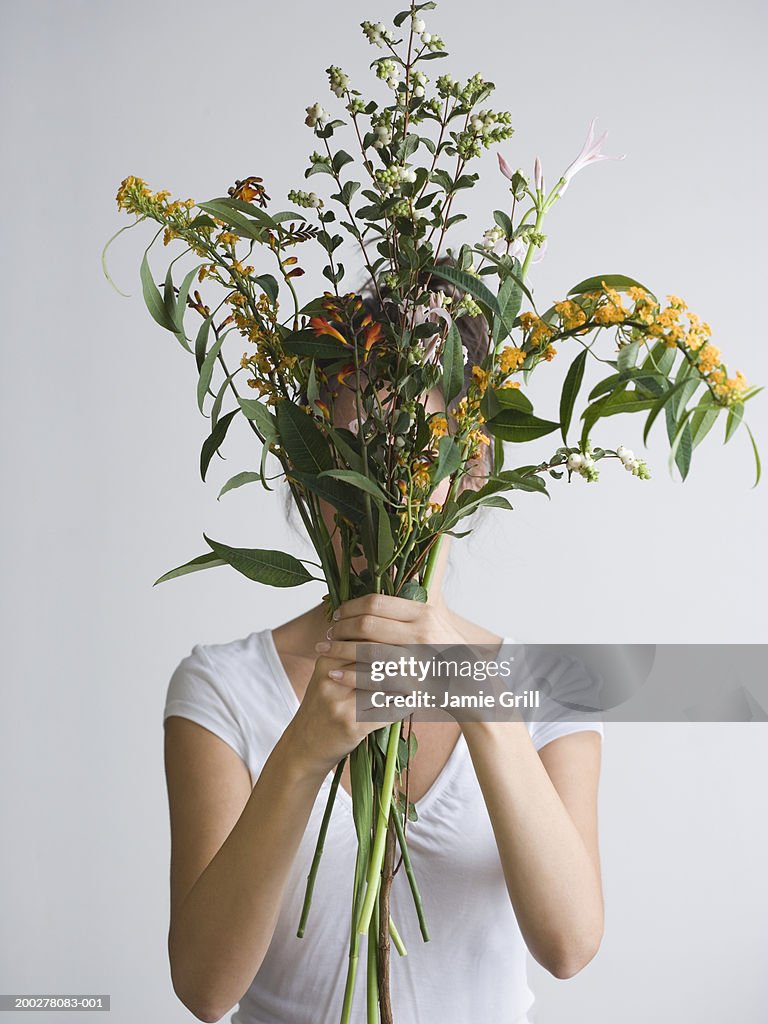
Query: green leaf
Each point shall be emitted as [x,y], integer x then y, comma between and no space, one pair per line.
[735,416]
[682,446]
[660,404]
[704,416]
[181,306]
[302,440]
[258,412]
[756,454]
[201,342]
[509,299]
[345,498]
[453,364]
[214,440]
[341,159]
[238,480]
[413,591]
[356,480]
[612,405]
[385,545]
[468,283]
[627,357]
[206,371]
[154,300]
[306,343]
[275,568]
[448,459]
[660,359]
[239,223]
[343,448]
[617,281]
[571,386]
[268,285]
[502,219]
[518,426]
[206,561]
[496,399]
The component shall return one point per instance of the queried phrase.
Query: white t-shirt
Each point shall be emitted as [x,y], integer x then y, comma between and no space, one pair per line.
[474,966]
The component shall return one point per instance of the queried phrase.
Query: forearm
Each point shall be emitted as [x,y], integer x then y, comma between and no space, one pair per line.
[222,930]
[551,876]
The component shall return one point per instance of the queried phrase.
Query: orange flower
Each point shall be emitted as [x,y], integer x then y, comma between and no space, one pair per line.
[372,335]
[320,326]
[345,372]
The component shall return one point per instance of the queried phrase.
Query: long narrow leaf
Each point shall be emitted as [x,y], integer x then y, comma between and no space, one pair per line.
[275,568]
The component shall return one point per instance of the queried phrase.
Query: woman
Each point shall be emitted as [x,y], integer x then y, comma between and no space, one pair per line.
[505,847]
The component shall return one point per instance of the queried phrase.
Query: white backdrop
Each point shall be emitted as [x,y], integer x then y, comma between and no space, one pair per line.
[101,437]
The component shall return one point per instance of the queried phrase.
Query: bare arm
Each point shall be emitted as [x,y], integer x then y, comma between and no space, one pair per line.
[543,808]
[232,847]
[542,805]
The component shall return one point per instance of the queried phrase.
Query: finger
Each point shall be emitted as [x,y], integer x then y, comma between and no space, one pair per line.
[352,650]
[382,605]
[369,628]
[386,712]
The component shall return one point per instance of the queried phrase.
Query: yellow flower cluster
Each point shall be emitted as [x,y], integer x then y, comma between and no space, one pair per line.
[510,358]
[675,325]
[135,196]
[438,425]
[571,314]
[260,328]
[540,333]
[728,389]
[480,378]
[420,475]
[612,311]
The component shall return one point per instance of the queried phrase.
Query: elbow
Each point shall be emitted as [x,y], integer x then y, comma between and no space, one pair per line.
[198,1002]
[569,960]
[200,1009]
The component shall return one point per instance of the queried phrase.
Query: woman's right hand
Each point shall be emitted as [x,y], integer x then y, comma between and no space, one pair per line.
[325,727]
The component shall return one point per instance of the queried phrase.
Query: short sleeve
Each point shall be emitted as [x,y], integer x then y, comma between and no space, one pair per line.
[544,732]
[198,691]
[567,694]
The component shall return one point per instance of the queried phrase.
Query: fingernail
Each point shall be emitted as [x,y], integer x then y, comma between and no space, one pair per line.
[337,615]
[336,673]
[323,645]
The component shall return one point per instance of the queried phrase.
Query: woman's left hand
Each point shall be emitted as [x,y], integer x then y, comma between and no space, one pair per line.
[381,619]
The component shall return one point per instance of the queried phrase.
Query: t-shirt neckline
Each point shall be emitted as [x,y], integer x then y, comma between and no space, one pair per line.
[456,758]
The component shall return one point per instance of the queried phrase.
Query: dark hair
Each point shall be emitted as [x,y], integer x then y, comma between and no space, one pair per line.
[472,329]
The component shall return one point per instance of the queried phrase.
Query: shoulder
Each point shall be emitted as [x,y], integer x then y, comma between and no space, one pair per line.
[234,690]
[217,681]
[218,666]
[564,701]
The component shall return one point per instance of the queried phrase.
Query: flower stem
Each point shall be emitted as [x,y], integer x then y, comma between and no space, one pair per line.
[379,842]
[372,994]
[411,878]
[319,846]
[399,944]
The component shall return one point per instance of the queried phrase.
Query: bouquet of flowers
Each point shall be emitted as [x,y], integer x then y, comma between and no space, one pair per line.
[370,399]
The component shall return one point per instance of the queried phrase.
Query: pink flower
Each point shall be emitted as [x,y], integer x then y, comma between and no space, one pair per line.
[590,154]
[504,167]
[538,176]
[519,248]
[433,312]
